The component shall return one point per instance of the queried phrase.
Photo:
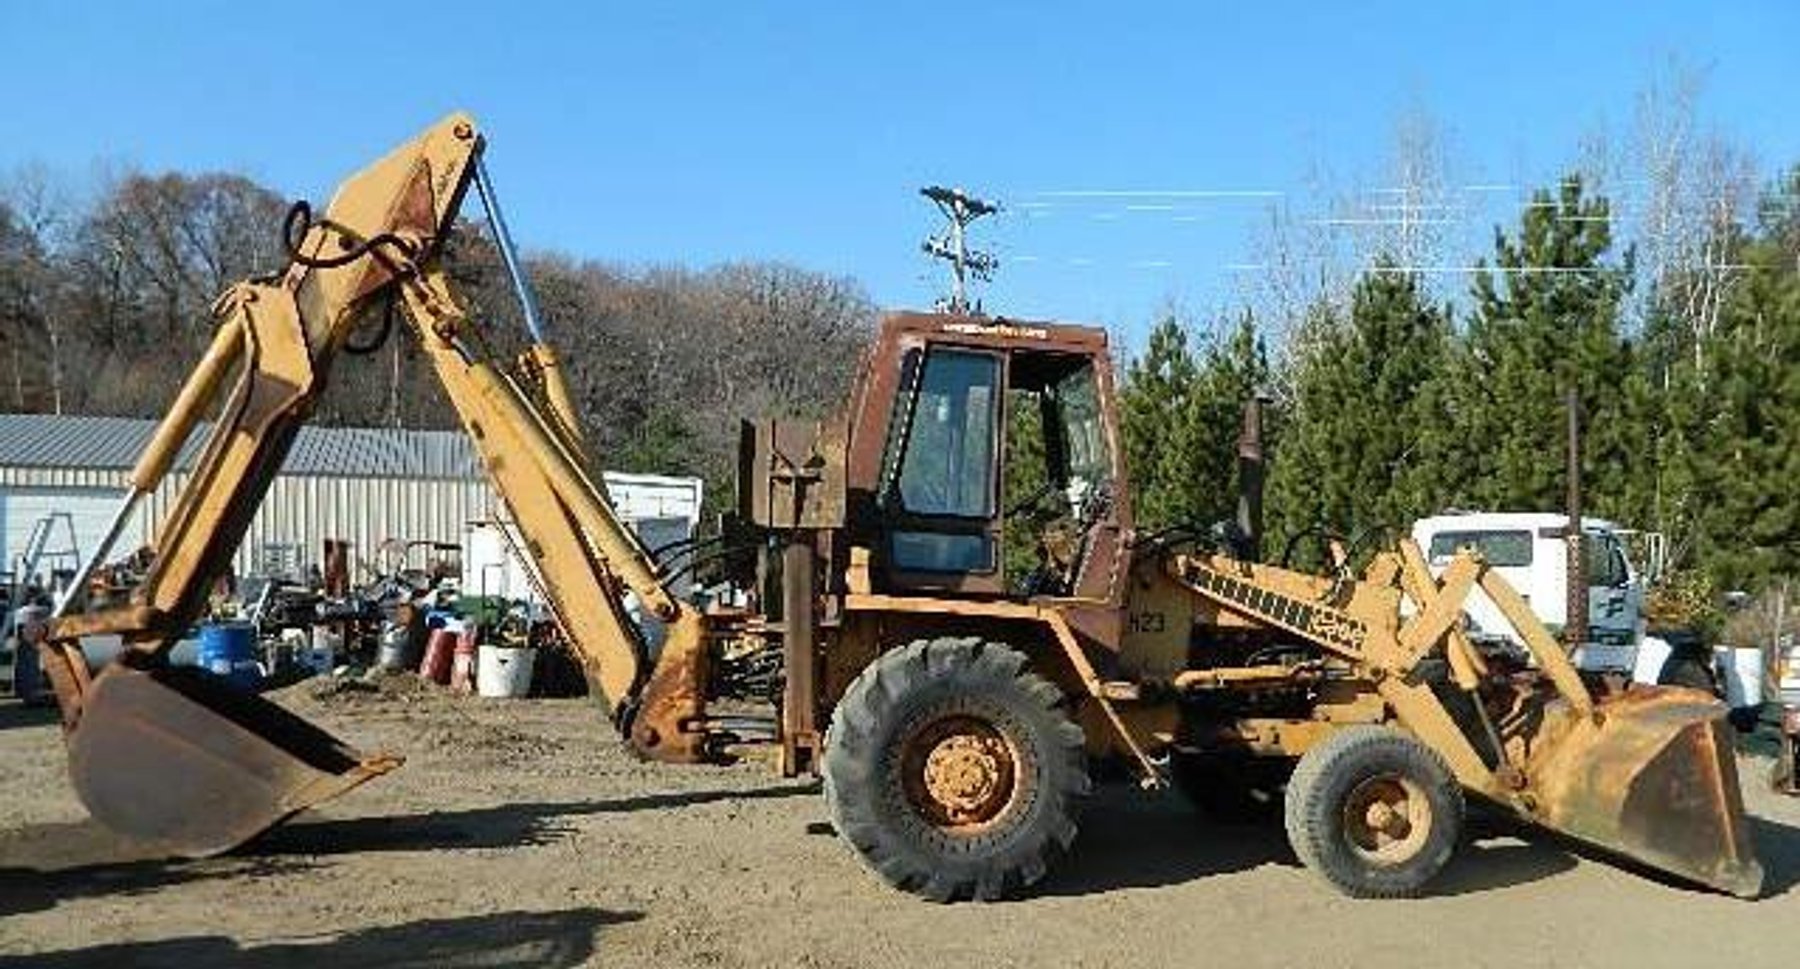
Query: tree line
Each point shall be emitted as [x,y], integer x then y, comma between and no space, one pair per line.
[1388,403]
[104,308]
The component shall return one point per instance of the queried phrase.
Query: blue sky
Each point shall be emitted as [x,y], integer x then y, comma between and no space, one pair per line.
[697,133]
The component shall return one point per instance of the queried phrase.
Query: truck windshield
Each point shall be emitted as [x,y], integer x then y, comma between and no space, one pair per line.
[1501,549]
[1606,564]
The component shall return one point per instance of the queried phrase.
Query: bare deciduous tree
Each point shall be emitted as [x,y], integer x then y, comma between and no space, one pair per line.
[1696,190]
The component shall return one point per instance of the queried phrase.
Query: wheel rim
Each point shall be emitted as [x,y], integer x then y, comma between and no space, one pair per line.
[1387,819]
[959,773]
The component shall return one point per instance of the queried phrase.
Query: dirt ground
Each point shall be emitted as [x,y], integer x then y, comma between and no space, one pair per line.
[519,834]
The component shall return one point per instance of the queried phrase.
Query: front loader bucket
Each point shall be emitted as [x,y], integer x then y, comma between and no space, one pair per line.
[1651,777]
[180,761]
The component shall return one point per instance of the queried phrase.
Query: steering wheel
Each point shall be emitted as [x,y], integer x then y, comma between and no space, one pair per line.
[1029,502]
[1095,505]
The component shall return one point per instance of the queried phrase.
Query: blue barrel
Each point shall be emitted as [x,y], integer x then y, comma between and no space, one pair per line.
[229,649]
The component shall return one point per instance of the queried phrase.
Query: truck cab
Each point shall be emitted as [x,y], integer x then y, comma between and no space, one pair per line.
[1530,550]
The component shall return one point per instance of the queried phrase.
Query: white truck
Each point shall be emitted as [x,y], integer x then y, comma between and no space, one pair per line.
[1530,550]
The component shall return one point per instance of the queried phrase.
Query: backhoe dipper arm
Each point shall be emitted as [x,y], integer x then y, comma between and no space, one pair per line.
[584,554]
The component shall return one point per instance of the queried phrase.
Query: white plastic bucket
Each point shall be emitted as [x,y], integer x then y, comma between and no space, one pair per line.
[1652,653]
[504,671]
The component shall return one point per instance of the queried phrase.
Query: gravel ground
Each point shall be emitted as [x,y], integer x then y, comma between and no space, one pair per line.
[519,834]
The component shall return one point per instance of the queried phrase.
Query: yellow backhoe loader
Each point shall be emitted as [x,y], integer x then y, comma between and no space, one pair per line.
[951,697]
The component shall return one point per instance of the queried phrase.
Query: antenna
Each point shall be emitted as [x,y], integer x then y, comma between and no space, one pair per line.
[952,244]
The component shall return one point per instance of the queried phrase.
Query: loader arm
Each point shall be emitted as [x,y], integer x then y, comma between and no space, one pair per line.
[1648,773]
[150,744]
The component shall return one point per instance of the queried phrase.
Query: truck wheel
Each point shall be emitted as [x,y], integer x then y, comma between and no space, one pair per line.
[1374,812]
[1689,671]
[953,772]
[1229,789]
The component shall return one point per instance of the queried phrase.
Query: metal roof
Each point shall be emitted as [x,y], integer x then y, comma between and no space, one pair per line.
[53,441]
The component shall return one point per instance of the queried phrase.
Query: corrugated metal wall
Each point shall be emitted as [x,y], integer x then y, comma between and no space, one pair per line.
[303,510]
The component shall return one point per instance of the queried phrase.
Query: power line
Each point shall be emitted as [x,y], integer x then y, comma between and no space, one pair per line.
[1177,193]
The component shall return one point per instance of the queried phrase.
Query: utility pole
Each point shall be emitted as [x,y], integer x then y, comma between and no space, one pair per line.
[1575,615]
[952,244]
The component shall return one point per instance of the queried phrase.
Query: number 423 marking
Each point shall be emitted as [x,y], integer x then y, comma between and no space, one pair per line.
[1149,623]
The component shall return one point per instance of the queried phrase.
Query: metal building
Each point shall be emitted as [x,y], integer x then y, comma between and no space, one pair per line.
[365,485]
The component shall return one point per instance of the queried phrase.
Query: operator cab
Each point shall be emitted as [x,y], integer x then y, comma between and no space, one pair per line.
[985,459]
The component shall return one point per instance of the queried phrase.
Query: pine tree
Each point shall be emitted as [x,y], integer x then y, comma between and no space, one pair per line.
[1181,410]
[1362,443]
[1749,522]
[1546,317]
[1721,429]
[1153,405]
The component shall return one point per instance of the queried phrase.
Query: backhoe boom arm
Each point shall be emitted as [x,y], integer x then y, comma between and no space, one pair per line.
[380,240]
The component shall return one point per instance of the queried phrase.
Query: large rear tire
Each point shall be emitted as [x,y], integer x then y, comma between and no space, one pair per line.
[1374,812]
[953,772]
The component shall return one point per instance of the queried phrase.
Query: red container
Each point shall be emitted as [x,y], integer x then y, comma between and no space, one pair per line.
[462,664]
[438,651]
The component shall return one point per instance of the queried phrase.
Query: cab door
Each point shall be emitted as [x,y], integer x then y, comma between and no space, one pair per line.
[940,482]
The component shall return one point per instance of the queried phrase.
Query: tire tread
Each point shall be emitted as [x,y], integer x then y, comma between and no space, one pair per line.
[880,692]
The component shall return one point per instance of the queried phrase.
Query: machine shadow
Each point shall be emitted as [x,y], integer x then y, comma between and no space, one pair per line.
[1779,846]
[1498,851]
[1131,839]
[500,826]
[31,889]
[14,714]
[1134,839]
[49,863]
[500,940]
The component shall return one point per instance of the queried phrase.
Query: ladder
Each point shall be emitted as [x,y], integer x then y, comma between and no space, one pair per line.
[38,554]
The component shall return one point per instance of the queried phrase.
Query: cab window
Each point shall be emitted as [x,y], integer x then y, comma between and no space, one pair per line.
[941,459]
[948,468]
[1075,403]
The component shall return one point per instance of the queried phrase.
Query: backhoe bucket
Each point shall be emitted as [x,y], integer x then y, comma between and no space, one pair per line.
[1652,777]
[180,761]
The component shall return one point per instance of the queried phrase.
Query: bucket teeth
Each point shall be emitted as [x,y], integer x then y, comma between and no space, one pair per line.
[181,762]
[1652,777]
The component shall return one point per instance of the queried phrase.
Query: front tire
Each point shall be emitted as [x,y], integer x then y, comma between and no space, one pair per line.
[953,772]
[1374,812]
